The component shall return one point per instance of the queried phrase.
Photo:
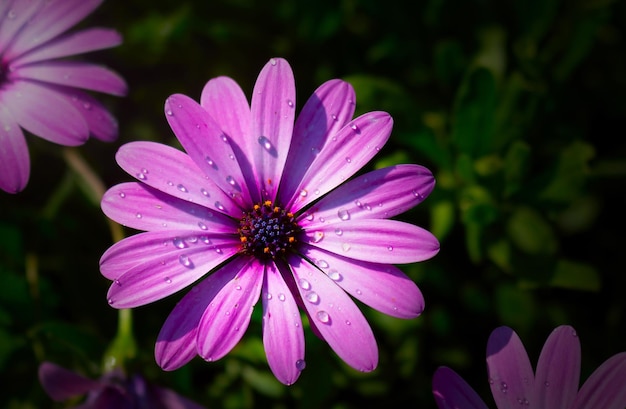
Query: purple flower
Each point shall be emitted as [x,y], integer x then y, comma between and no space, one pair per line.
[39,91]
[113,391]
[554,385]
[264,205]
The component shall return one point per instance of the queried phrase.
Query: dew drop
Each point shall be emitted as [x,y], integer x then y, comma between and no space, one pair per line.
[185,261]
[312,297]
[348,322]
[348,159]
[343,214]
[220,206]
[179,243]
[141,176]
[334,117]
[169,112]
[390,248]
[300,364]
[334,275]
[281,297]
[322,263]
[265,143]
[202,226]
[238,288]
[138,215]
[304,284]
[315,151]
[290,103]
[204,192]
[273,61]
[417,194]
[323,317]
[358,203]
[338,231]
[268,296]
[318,236]
[182,188]
[122,195]
[345,246]
[355,128]
[303,193]
[504,387]
[224,138]
[231,180]
[167,280]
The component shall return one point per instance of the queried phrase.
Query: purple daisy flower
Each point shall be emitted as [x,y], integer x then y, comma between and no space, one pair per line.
[264,205]
[554,384]
[112,391]
[39,91]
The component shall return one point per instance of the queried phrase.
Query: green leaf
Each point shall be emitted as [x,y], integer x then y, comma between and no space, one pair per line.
[569,174]
[515,307]
[576,276]
[531,233]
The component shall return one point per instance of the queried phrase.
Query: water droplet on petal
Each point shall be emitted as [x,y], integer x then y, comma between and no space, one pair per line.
[182,188]
[318,236]
[323,317]
[300,364]
[204,192]
[343,214]
[355,128]
[273,61]
[348,159]
[338,231]
[265,143]
[185,261]
[345,246]
[322,263]
[219,205]
[179,243]
[315,151]
[312,297]
[390,248]
[169,112]
[303,193]
[202,226]
[334,275]
[268,296]
[138,215]
[167,280]
[281,297]
[290,103]
[238,288]
[122,195]
[304,284]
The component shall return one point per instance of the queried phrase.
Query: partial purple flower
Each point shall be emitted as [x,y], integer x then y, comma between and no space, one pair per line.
[553,385]
[42,92]
[261,206]
[112,391]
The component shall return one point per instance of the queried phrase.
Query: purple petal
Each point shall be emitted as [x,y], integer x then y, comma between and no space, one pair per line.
[45,113]
[606,387]
[61,384]
[226,103]
[184,259]
[18,15]
[273,113]
[228,314]
[14,157]
[329,108]
[380,194]
[175,173]
[452,392]
[558,370]
[510,374]
[75,43]
[142,207]
[52,19]
[99,120]
[335,316]
[74,74]
[208,146]
[379,241]
[283,337]
[177,341]
[347,152]
[381,286]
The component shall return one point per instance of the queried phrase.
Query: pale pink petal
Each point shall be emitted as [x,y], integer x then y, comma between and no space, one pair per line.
[142,207]
[511,376]
[335,316]
[74,74]
[283,336]
[344,155]
[14,17]
[227,316]
[176,343]
[379,241]
[52,19]
[225,101]
[14,156]
[558,370]
[606,387]
[452,392]
[383,287]
[379,194]
[61,384]
[273,112]
[329,108]
[208,146]
[45,113]
[75,43]
[175,173]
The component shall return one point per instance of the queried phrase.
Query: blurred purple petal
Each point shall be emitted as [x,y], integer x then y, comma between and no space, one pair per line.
[61,384]
[606,387]
[558,370]
[511,376]
[14,156]
[273,112]
[283,336]
[335,315]
[452,392]
[379,241]
[381,286]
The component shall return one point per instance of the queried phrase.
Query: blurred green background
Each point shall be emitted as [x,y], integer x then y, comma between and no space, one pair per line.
[518,108]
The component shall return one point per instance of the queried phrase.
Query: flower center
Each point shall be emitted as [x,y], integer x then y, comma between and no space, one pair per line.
[267,231]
